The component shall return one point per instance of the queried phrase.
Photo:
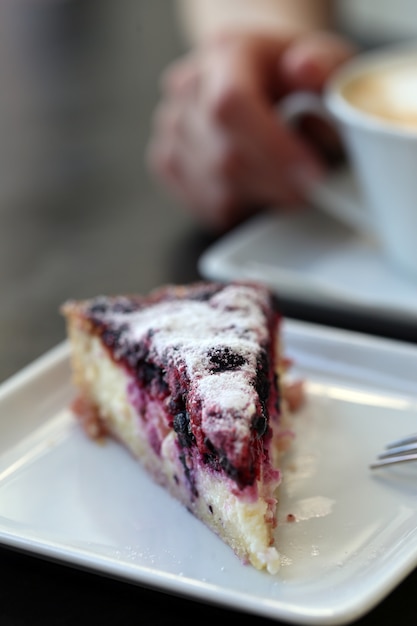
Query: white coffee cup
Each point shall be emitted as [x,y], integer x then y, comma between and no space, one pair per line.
[373,101]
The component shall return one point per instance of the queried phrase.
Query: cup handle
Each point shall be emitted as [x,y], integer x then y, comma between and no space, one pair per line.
[339,194]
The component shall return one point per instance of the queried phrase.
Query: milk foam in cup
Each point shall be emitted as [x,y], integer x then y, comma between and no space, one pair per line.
[388,93]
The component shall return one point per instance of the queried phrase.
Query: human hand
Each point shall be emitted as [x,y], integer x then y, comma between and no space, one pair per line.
[218,141]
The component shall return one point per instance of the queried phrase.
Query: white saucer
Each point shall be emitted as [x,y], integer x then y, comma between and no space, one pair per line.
[312,257]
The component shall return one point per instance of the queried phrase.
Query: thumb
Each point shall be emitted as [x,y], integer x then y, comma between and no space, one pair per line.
[308,62]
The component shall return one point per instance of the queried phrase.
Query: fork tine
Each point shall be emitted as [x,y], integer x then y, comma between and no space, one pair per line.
[404,441]
[391,460]
[402,450]
[392,450]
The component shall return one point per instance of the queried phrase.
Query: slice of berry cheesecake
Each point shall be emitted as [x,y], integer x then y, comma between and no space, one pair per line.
[188,379]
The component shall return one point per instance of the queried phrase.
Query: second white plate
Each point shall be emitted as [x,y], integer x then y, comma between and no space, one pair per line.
[310,256]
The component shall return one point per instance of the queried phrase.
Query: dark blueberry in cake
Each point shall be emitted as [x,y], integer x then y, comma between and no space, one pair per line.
[183,429]
[147,372]
[125,306]
[178,389]
[222,359]
[99,307]
[135,354]
[241,476]
[176,403]
[262,377]
[260,424]
[217,459]
[277,402]
[203,293]
[112,336]
[103,306]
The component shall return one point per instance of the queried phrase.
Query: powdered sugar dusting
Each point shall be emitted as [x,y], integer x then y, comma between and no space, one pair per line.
[234,317]
[227,394]
[219,341]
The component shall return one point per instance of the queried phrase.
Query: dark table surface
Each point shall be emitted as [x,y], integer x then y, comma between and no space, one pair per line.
[79,215]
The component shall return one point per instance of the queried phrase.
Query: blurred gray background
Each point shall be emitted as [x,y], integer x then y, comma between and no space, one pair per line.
[79,212]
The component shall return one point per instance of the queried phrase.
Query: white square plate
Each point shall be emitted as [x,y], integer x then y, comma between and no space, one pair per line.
[355,535]
[310,256]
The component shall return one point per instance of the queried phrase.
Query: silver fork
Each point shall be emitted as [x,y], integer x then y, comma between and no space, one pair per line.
[400,451]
